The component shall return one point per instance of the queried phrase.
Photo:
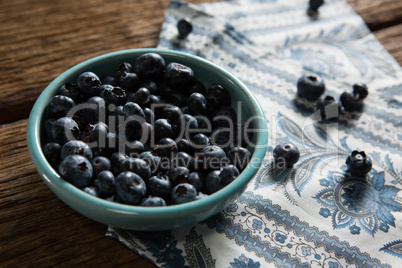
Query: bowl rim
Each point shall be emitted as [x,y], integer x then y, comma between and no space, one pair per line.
[50,176]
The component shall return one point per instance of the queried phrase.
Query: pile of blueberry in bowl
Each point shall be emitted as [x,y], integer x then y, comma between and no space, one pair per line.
[147,139]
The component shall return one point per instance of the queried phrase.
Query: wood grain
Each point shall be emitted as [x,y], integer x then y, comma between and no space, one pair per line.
[38,41]
[391,39]
[378,14]
[39,230]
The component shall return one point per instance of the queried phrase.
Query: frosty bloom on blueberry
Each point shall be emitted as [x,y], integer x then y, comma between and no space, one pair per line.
[310,87]
[286,154]
[359,164]
[149,134]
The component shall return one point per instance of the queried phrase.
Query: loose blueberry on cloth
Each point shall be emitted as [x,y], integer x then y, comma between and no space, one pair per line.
[309,215]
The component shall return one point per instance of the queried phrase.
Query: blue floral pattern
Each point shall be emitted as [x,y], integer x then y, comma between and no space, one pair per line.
[244,262]
[309,215]
[359,203]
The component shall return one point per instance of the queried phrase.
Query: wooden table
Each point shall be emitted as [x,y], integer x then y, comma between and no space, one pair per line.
[38,41]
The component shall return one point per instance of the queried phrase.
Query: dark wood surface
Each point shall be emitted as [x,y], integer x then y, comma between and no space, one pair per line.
[38,41]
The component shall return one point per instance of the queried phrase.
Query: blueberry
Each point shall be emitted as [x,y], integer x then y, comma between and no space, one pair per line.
[200,195]
[94,107]
[360,91]
[112,142]
[212,157]
[134,116]
[171,112]
[149,115]
[153,201]
[185,109]
[76,147]
[59,106]
[185,146]
[187,125]
[70,90]
[141,96]
[315,4]
[183,193]
[153,160]
[178,75]
[243,133]
[105,183]
[124,68]
[129,82]
[99,164]
[239,156]
[109,80]
[98,135]
[77,170]
[350,103]
[103,88]
[166,147]
[145,133]
[359,164]
[177,99]
[218,96]
[150,85]
[166,90]
[204,124]
[48,129]
[163,129]
[116,159]
[89,84]
[112,198]
[149,66]
[138,166]
[130,188]
[146,97]
[97,151]
[197,103]
[156,104]
[184,27]
[182,159]
[224,116]
[134,148]
[286,154]
[159,185]
[310,87]
[115,95]
[197,87]
[131,109]
[196,179]
[222,137]
[91,190]
[65,129]
[200,140]
[328,108]
[213,182]
[179,175]
[52,151]
[228,174]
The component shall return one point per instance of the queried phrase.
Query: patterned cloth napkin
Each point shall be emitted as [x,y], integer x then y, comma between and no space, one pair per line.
[309,215]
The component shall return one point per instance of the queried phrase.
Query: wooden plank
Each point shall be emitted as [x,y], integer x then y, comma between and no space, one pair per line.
[391,38]
[378,14]
[36,45]
[40,42]
[39,230]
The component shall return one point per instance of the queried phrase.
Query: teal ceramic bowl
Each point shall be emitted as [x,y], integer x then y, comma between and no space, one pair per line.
[148,218]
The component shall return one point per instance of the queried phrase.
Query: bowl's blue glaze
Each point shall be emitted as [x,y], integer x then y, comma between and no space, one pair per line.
[148,218]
